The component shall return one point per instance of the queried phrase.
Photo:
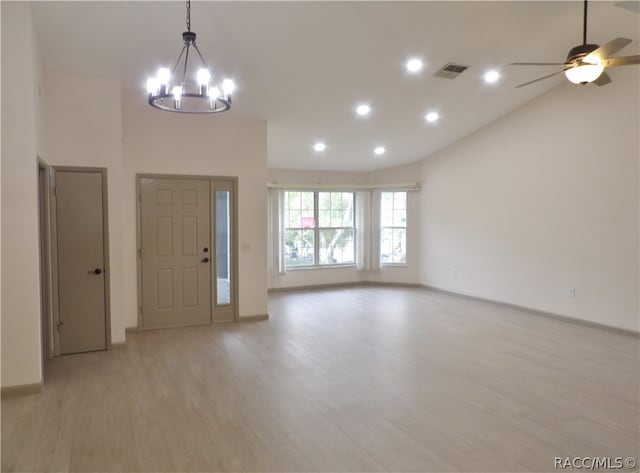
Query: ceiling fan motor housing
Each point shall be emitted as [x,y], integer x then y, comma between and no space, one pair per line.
[577,53]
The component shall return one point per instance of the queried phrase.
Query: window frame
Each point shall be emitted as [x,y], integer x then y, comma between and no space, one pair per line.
[316,232]
[405,228]
[315,236]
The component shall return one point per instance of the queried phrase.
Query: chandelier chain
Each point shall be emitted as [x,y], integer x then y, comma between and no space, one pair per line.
[188,15]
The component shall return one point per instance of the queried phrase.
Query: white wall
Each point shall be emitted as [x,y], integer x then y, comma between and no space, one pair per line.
[540,201]
[83,128]
[408,274]
[210,145]
[20,307]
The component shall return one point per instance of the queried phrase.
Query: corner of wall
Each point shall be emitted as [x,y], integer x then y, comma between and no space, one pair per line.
[20,312]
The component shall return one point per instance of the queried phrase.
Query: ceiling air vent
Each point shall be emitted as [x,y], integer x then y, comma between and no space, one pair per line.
[450,71]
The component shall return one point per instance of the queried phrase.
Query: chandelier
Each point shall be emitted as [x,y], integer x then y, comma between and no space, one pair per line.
[170,93]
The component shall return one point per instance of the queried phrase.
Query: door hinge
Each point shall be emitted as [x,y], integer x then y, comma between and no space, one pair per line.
[139,197]
[140,253]
[140,310]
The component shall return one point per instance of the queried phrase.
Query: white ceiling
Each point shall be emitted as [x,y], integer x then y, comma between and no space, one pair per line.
[303,66]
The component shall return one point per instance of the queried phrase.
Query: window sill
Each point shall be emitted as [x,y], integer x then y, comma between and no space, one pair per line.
[394,265]
[324,266]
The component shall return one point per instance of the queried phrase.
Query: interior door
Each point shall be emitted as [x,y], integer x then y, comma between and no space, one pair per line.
[81,280]
[175,227]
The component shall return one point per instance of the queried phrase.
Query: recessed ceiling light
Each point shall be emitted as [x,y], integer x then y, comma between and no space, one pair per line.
[363,109]
[319,146]
[414,65]
[379,151]
[491,77]
[432,117]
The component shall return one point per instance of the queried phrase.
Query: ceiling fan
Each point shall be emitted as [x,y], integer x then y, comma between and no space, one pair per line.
[586,63]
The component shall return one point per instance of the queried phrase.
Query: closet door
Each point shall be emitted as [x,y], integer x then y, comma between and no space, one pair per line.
[80,220]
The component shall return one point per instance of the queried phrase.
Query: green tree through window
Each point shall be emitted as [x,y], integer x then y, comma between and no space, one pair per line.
[393,227]
[319,228]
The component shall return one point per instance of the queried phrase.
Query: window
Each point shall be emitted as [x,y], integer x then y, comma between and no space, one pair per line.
[331,240]
[393,228]
[300,224]
[335,210]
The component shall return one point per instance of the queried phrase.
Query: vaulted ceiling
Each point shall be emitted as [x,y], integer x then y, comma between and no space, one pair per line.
[304,66]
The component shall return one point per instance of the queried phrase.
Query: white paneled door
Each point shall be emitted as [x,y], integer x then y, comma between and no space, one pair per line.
[175,233]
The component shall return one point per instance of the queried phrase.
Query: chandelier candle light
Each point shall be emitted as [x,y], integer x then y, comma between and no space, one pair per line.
[187,96]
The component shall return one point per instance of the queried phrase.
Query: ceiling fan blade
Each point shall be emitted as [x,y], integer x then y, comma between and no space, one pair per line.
[604,79]
[633,6]
[542,78]
[622,61]
[538,64]
[610,48]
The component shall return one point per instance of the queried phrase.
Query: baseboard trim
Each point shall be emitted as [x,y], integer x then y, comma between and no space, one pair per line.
[21,390]
[345,285]
[410,285]
[127,331]
[542,313]
[254,318]
[317,286]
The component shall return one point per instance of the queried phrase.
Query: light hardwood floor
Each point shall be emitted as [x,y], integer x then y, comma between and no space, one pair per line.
[354,379]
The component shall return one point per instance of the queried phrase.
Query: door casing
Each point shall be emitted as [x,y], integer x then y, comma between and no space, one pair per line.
[45,260]
[54,252]
[234,228]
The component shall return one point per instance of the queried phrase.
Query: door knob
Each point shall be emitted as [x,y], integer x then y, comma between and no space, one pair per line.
[205,260]
[95,271]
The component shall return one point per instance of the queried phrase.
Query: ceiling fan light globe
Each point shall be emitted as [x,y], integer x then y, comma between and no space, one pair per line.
[591,59]
[584,73]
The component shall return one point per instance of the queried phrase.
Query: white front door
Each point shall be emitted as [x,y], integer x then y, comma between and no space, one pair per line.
[176,252]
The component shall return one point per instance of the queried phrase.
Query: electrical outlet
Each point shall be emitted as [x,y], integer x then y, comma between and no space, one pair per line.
[572,292]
